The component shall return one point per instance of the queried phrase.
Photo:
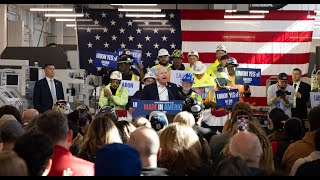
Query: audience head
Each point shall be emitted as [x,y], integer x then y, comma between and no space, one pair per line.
[117,160]
[82,118]
[108,112]
[10,130]
[8,109]
[28,115]
[313,118]
[277,116]
[186,118]
[141,121]
[12,164]
[62,106]
[158,120]
[293,129]
[55,125]
[36,149]
[125,128]
[246,145]
[193,106]
[232,166]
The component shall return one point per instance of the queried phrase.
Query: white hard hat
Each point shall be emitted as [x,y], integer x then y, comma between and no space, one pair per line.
[193,53]
[221,48]
[199,68]
[149,75]
[163,52]
[116,75]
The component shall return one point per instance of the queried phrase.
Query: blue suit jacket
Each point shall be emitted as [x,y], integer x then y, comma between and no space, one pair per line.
[42,99]
[150,92]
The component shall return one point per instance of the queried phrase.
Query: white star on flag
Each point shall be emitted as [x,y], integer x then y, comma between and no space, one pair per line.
[164,38]
[105,30]
[97,37]
[172,30]
[148,54]
[129,23]
[121,30]
[218,132]
[114,38]
[148,69]
[120,15]
[156,61]
[88,30]
[138,31]
[156,45]
[130,38]
[113,23]
[106,45]
[147,38]
[86,14]
[99,68]
[164,22]
[104,15]
[96,22]
[139,46]
[89,45]
[123,45]
[146,22]
[90,61]
[171,15]
[173,46]
[155,30]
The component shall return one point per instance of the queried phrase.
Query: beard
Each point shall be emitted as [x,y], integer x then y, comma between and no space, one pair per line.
[163,63]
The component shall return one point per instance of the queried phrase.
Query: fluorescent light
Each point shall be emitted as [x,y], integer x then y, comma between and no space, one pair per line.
[67,20]
[145,15]
[71,25]
[243,16]
[133,4]
[231,10]
[51,9]
[139,10]
[64,15]
[258,11]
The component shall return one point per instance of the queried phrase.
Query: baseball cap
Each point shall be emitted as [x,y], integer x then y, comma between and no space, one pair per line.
[283,76]
[158,120]
[117,160]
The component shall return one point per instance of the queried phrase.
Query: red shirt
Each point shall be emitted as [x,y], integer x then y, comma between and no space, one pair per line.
[63,159]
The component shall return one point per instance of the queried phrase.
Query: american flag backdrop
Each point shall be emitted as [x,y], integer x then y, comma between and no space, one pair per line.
[109,30]
[277,43]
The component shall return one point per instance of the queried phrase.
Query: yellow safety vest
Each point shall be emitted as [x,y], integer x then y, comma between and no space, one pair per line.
[119,101]
[135,77]
[206,80]
[213,67]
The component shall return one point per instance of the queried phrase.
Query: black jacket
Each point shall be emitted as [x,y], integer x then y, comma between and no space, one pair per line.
[301,110]
[150,92]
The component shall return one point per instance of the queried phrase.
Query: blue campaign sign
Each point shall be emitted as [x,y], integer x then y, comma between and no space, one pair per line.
[145,107]
[227,98]
[106,59]
[248,75]
[137,54]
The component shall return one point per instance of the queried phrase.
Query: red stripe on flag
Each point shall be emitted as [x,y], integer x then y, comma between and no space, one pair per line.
[264,78]
[240,36]
[245,58]
[219,15]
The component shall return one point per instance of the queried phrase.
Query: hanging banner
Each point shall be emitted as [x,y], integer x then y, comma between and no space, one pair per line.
[106,59]
[145,107]
[248,75]
[227,98]
[176,76]
[131,86]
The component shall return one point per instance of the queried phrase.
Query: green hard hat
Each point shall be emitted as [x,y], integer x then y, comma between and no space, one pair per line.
[177,53]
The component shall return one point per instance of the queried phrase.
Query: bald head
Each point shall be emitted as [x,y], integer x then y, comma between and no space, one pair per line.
[145,140]
[246,145]
[29,114]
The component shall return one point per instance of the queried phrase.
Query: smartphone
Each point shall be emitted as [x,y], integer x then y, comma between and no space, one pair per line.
[243,122]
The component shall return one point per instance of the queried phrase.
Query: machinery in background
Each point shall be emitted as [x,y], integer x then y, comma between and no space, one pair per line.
[11,96]
[93,89]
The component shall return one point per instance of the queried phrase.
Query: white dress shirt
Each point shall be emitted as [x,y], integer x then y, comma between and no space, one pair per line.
[49,84]
[296,90]
[163,92]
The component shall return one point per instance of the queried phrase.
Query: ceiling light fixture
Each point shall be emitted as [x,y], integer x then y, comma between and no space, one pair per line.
[51,9]
[71,25]
[243,16]
[64,15]
[65,20]
[134,4]
[145,15]
[139,10]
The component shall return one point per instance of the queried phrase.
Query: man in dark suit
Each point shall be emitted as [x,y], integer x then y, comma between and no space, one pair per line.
[301,96]
[47,91]
[161,89]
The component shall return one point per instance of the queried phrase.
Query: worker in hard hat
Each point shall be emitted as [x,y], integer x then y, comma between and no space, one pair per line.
[114,94]
[220,51]
[221,76]
[177,57]
[193,57]
[163,58]
[186,87]
[125,62]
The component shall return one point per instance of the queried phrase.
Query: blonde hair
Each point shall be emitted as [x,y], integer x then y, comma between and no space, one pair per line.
[141,121]
[12,164]
[181,149]
[186,118]
[266,161]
